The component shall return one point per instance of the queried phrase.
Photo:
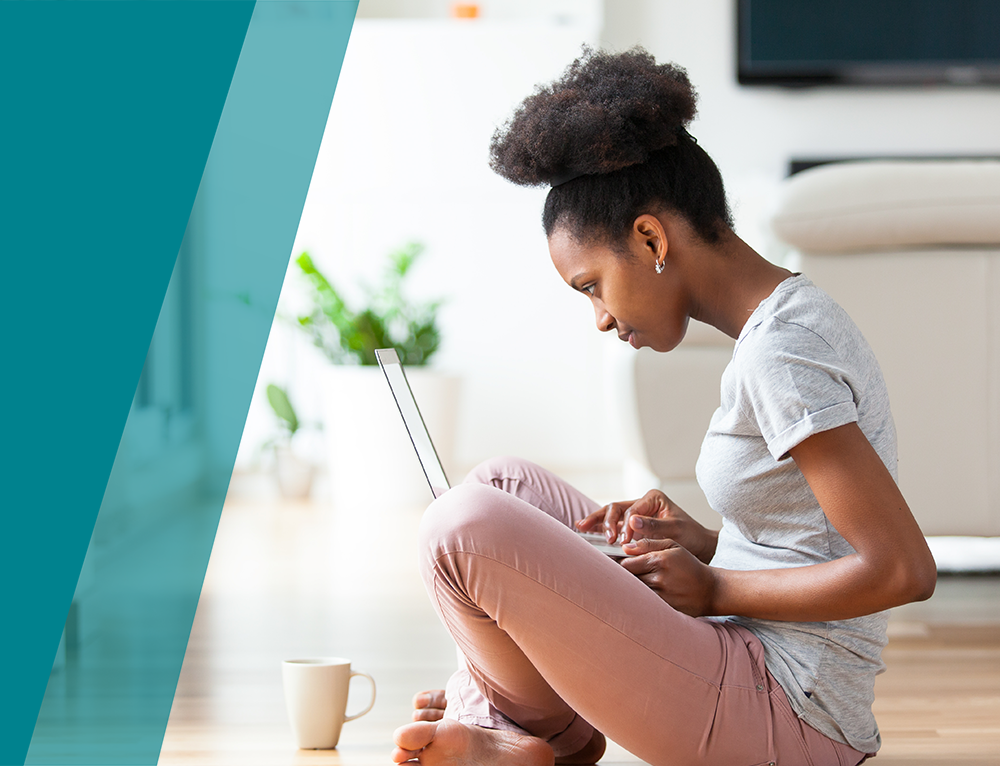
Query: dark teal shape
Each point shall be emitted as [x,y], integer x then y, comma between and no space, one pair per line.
[108,115]
[110,690]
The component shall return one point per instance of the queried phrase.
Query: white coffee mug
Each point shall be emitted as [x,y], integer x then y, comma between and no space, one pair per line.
[316,697]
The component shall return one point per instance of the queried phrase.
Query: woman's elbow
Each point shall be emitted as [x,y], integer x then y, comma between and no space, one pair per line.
[927,581]
[904,579]
[919,578]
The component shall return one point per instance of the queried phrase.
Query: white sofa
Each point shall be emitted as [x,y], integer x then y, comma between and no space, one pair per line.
[912,251]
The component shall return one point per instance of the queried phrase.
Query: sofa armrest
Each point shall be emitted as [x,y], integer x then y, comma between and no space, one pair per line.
[879,204]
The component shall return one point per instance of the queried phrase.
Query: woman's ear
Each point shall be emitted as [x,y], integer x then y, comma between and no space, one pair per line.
[650,238]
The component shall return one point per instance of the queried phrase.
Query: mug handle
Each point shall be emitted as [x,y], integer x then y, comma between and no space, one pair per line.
[370,704]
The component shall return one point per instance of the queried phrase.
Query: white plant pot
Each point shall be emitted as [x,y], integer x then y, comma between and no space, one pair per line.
[371,461]
[294,474]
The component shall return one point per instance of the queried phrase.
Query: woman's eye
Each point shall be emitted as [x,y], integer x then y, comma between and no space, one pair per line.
[588,289]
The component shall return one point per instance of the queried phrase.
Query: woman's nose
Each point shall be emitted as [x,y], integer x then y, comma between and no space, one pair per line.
[605,321]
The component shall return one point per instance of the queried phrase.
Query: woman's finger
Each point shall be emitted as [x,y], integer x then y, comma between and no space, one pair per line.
[613,518]
[626,534]
[587,523]
[646,506]
[648,527]
[635,564]
[641,556]
[638,548]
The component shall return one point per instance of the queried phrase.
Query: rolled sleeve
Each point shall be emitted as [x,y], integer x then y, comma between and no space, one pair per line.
[812,423]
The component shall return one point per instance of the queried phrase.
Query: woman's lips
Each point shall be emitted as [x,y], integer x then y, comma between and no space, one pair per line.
[630,339]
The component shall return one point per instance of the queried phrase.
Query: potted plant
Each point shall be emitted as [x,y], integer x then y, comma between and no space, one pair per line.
[370,458]
[389,319]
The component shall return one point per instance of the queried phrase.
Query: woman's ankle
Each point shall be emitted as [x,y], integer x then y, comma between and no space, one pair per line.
[589,754]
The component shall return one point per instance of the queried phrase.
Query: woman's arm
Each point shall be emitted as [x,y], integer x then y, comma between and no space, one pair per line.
[892,564]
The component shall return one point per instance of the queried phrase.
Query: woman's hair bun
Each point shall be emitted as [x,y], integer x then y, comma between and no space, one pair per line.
[606,112]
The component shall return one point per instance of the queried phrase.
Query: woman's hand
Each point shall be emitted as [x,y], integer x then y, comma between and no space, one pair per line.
[673,573]
[655,516]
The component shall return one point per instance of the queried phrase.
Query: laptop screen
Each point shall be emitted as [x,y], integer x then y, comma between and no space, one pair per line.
[388,360]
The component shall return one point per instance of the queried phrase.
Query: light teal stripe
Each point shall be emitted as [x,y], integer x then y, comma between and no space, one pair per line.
[136,597]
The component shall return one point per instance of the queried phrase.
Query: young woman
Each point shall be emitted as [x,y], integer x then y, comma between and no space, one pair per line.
[756,644]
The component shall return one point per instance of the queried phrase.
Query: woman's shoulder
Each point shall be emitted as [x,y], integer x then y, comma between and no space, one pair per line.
[798,319]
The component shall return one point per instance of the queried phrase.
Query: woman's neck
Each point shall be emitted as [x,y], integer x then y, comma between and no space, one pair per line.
[728,280]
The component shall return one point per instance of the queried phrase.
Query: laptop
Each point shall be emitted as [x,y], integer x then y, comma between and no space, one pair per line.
[427,455]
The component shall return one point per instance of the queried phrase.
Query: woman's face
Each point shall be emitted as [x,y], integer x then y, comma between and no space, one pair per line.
[642,307]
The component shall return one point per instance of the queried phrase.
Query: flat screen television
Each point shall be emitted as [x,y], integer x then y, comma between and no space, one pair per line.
[868,42]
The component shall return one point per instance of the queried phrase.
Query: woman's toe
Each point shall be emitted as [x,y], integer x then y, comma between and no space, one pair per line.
[428,714]
[430,699]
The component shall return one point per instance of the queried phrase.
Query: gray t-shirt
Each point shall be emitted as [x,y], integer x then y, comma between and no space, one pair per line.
[800,367]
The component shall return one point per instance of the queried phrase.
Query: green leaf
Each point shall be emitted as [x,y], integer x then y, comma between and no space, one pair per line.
[282,407]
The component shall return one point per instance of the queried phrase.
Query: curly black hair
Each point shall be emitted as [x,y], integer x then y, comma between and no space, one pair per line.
[610,136]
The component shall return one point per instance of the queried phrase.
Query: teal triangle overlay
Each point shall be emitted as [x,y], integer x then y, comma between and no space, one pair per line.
[102,147]
[110,689]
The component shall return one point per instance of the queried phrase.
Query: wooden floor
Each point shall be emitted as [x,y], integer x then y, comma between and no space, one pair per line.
[291,580]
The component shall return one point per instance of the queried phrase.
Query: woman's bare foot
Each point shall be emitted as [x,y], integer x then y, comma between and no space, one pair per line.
[450,743]
[429,705]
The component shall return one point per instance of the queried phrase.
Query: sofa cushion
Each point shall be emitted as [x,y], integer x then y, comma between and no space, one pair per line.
[890,203]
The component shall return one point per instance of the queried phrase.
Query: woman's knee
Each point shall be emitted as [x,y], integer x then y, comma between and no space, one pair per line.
[457,517]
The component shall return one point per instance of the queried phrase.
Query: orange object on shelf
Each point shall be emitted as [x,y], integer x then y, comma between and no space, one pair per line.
[465,10]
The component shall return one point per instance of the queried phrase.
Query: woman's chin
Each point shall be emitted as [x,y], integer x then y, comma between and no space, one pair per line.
[665,344]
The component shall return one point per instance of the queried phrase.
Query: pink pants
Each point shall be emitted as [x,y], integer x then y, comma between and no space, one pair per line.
[559,639]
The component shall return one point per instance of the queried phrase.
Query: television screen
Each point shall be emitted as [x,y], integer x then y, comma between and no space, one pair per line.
[874,42]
